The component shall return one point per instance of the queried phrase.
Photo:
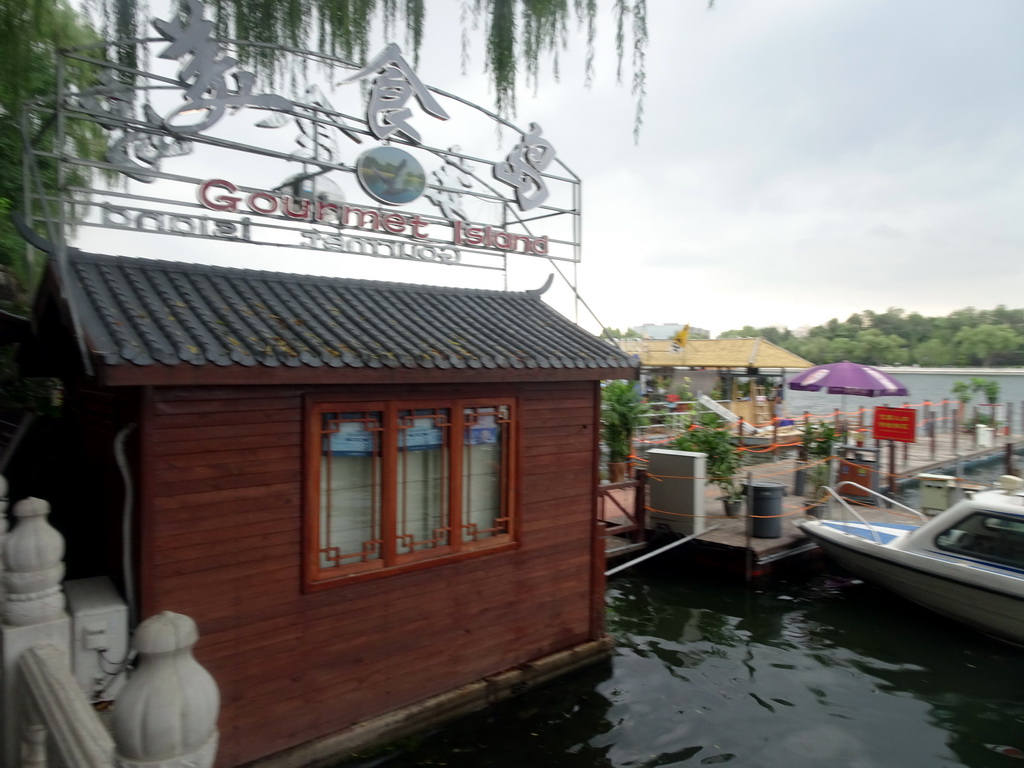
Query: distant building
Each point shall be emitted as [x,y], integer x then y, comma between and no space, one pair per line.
[662,331]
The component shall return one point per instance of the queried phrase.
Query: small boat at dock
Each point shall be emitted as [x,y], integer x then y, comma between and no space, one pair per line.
[966,563]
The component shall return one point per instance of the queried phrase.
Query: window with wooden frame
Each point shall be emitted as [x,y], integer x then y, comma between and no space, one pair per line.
[394,486]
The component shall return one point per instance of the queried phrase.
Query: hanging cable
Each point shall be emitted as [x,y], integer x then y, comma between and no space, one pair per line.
[126,521]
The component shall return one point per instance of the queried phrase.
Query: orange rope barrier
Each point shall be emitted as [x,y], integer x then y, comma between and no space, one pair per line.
[791,513]
[767,449]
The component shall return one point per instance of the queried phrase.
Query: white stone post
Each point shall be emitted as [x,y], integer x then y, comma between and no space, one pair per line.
[33,612]
[166,715]
[34,557]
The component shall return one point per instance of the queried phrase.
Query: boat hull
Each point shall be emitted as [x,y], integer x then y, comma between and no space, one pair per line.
[952,588]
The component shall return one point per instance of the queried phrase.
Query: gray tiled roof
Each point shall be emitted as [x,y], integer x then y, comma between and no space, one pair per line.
[147,312]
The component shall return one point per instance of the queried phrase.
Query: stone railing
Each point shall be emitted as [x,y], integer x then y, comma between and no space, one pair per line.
[164,717]
[56,716]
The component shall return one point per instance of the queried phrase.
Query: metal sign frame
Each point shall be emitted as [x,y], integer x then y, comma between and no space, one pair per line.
[357,165]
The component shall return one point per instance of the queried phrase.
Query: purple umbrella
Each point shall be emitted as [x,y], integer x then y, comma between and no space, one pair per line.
[848,378]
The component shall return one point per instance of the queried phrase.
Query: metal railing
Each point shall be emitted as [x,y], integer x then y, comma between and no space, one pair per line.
[834,493]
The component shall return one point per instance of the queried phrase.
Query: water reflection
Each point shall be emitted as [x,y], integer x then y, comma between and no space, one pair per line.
[827,672]
[970,683]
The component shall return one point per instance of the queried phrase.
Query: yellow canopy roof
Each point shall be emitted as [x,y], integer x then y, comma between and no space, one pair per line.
[713,353]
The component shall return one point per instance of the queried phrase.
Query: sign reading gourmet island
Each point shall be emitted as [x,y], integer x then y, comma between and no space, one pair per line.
[363,160]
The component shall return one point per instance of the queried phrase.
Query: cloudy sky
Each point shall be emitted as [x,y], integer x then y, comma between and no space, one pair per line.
[800,160]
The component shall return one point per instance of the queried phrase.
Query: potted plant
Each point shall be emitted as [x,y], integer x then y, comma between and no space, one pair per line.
[818,439]
[711,437]
[683,394]
[622,412]
[962,392]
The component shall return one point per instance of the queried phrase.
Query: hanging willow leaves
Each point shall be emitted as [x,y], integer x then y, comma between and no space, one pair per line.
[517,33]
[31,32]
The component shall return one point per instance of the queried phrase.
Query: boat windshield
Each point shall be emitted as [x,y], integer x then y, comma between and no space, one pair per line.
[986,536]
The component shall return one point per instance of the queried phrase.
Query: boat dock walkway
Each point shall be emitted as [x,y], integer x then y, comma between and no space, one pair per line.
[728,543]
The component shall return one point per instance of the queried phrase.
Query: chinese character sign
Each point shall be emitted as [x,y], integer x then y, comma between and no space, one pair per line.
[349,165]
[897,424]
[394,83]
[523,167]
[204,76]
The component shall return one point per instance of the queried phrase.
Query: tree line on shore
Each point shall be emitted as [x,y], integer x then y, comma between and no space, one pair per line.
[966,337]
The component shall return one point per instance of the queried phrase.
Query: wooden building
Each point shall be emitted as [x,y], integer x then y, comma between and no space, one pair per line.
[749,356]
[370,496]
[721,363]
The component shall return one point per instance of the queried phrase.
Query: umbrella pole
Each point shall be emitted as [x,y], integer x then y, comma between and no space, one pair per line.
[892,466]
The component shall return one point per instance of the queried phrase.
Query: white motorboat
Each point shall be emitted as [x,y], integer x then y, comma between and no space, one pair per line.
[966,563]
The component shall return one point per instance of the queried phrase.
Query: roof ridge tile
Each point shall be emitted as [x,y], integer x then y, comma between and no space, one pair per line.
[147,311]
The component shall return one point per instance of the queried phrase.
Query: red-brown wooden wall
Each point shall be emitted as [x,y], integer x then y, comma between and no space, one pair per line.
[220,523]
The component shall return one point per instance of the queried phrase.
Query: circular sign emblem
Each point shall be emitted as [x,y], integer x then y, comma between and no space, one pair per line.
[391,175]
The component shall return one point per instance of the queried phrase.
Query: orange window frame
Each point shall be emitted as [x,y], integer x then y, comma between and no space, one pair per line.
[391,561]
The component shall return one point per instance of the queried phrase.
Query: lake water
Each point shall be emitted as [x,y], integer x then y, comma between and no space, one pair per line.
[824,672]
[931,387]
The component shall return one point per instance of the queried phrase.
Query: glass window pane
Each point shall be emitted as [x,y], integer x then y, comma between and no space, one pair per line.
[350,488]
[987,537]
[422,517]
[484,448]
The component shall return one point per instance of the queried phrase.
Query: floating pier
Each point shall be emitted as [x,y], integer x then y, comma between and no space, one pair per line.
[726,545]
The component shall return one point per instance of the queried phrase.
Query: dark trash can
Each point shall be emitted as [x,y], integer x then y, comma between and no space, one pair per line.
[765,505]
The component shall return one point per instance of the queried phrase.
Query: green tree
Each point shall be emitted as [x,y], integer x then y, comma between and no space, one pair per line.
[962,318]
[966,336]
[873,347]
[1011,318]
[746,332]
[712,437]
[30,35]
[889,323]
[774,334]
[917,329]
[623,411]
[933,352]
[813,348]
[840,349]
[983,344]
[615,333]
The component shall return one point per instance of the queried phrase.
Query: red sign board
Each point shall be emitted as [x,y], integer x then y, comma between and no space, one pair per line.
[897,424]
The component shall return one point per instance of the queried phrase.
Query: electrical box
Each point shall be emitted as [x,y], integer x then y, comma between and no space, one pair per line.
[938,493]
[676,483]
[99,636]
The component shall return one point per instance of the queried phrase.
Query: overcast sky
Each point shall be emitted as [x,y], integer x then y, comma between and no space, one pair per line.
[800,159]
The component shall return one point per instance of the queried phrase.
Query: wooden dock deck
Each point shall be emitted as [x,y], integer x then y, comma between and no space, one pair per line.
[728,544]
